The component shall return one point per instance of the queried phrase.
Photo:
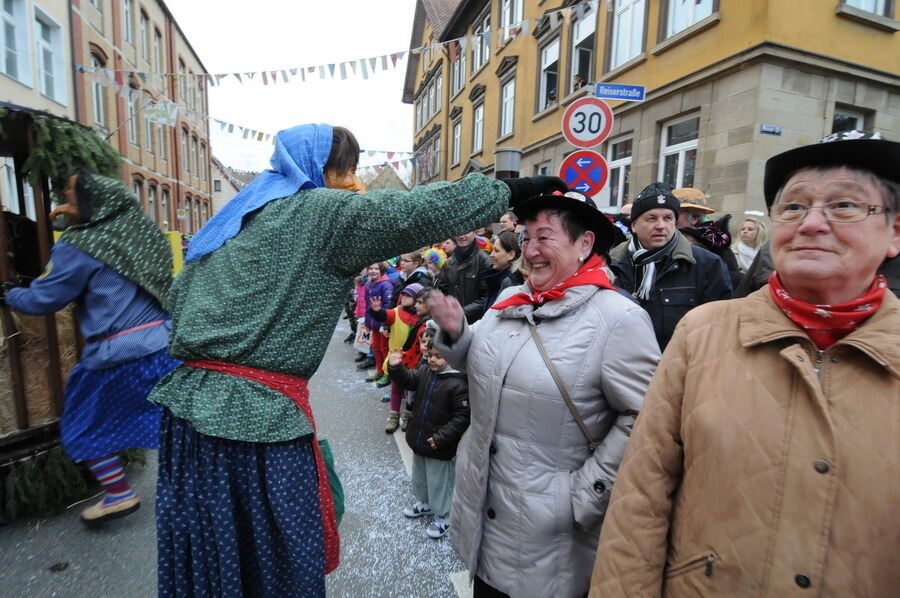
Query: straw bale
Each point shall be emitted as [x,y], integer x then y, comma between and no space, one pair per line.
[35,359]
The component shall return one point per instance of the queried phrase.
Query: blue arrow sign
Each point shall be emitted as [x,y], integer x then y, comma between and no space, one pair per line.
[614,91]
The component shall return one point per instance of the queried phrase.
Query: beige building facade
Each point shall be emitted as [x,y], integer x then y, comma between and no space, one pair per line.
[729,83]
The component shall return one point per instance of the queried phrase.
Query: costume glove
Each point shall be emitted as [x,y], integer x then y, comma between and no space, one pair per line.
[524,188]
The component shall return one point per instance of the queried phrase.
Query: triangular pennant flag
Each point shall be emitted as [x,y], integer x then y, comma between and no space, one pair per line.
[303,74]
[231,128]
[143,77]
[416,51]
[396,165]
[265,78]
[579,11]
[274,76]
[395,57]
[352,67]
[370,153]
[554,19]
[362,67]
[259,136]
[378,169]
[321,72]
[412,161]
[463,43]
[210,80]
[238,77]
[343,71]
[487,37]
[372,64]
[222,124]
[525,27]
[294,72]
[119,77]
[246,132]
[284,76]
[219,78]
[250,75]
[267,136]
[391,155]
[384,64]
[331,68]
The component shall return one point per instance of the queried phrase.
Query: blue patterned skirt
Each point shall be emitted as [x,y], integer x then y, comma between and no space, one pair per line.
[237,519]
[107,411]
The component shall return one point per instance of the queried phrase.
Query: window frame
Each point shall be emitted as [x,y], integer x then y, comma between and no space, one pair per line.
[128,22]
[18,22]
[164,198]
[133,133]
[162,142]
[667,14]
[858,114]
[194,164]
[613,60]
[511,12]
[886,9]
[624,165]
[594,15]
[678,149]
[144,32]
[456,141]
[543,102]
[185,150]
[481,48]
[98,94]
[478,128]
[148,128]
[151,203]
[157,50]
[508,83]
[458,72]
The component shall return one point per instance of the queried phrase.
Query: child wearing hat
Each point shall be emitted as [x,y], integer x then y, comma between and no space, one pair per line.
[400,321]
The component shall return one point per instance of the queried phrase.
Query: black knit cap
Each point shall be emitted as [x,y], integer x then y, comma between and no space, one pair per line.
[655,195]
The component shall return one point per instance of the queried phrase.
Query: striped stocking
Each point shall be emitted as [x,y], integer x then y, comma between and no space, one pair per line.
[109,472]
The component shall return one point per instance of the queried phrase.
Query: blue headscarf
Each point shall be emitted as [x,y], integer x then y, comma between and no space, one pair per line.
[300,155]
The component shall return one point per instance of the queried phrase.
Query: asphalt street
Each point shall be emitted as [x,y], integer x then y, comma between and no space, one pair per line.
[383,554]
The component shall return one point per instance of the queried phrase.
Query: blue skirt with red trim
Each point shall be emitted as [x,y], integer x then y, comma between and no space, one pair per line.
[107,411]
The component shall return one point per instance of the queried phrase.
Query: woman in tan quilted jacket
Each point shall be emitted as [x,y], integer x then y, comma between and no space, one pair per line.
[766,458]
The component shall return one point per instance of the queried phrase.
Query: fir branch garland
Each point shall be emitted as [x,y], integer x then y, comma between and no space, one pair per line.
[60,147]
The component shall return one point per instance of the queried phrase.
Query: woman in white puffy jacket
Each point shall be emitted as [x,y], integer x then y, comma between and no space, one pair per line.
[530,492]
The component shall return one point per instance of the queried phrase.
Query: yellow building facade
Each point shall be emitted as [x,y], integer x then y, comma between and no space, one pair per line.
[729,83]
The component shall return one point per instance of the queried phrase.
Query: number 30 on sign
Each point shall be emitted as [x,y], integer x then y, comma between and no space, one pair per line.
[587,122]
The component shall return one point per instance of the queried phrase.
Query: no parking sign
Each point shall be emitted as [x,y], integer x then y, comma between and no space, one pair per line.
[587,122]
[585,171]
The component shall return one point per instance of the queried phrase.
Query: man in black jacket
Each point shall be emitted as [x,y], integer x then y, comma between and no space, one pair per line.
[661,269]
[462,276]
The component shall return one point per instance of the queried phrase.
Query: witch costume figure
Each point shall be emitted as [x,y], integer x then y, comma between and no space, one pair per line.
[243,503]
[116,266]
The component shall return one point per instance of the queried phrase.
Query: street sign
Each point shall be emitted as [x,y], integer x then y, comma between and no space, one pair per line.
[585,171]
[587,122]
[614,91]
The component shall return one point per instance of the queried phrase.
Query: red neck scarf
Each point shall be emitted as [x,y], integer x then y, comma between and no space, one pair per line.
[827,324]
[590,273]
[296,389]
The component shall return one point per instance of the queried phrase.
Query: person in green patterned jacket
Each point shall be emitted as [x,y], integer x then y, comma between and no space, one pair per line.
[243,507]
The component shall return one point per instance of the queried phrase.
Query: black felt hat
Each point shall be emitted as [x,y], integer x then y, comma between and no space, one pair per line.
[605,232]
[857,149]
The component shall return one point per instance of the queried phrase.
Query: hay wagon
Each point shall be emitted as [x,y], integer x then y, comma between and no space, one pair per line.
[37,152]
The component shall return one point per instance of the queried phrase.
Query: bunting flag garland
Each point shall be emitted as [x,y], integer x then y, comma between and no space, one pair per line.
[369,66]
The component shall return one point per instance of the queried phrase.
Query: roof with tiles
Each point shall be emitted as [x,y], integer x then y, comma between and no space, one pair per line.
[438,13]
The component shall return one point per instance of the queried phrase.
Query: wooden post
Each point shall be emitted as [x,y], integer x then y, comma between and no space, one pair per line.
[44,232]
[12,335]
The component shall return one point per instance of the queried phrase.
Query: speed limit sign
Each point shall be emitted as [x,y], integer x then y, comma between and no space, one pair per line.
[587,122]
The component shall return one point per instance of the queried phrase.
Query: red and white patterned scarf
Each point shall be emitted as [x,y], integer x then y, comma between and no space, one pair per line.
[827,324]
[590,273]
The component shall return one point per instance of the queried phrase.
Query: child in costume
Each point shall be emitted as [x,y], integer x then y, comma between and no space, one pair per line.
[378,288]
[400,321]
[412,349]
[440,416]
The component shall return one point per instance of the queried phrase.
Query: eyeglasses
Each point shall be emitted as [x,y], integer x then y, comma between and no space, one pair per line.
[839,210]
